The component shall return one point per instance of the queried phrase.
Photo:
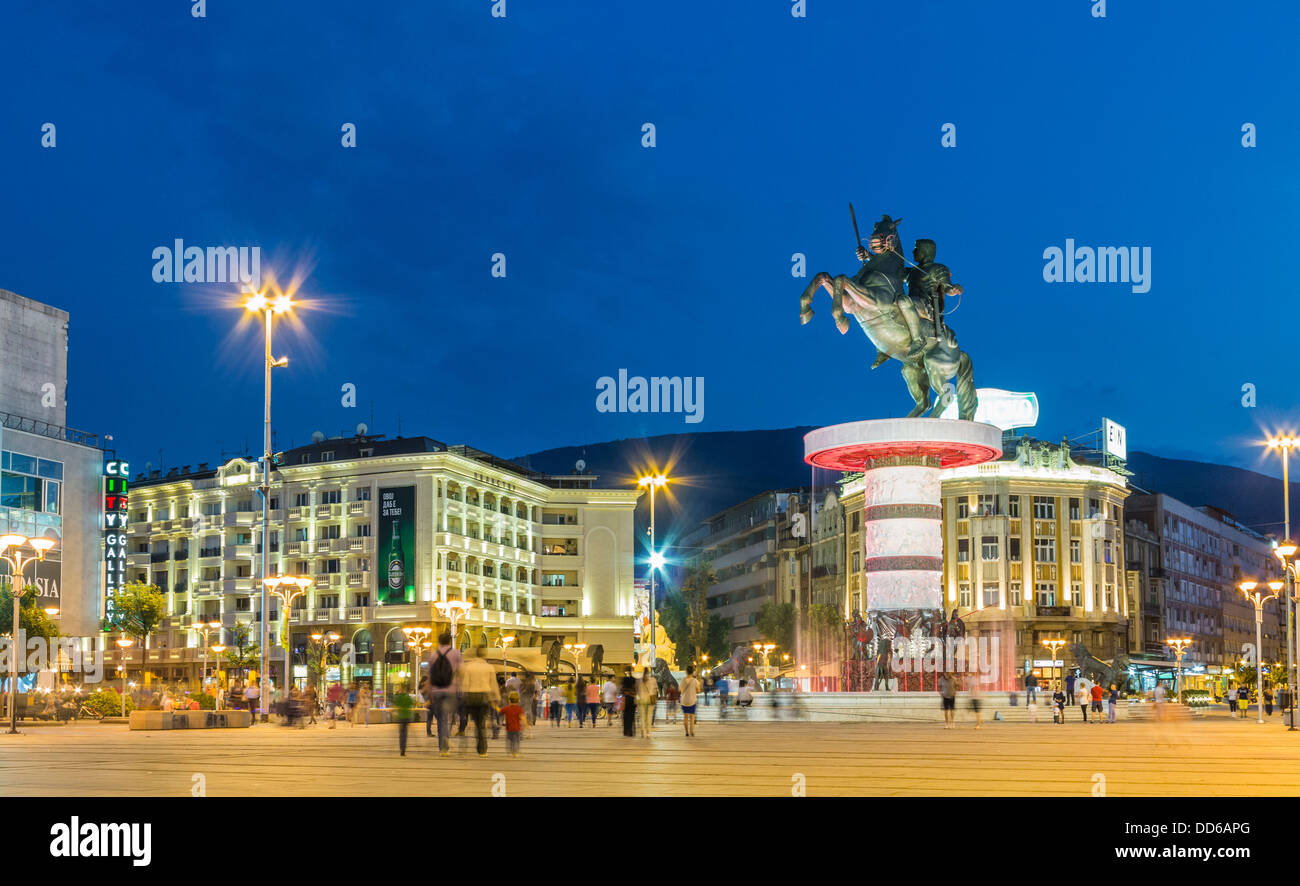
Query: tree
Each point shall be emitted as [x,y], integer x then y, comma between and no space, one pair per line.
[139,609]
[242,655]
[700,576]
[32,619]
[776,624]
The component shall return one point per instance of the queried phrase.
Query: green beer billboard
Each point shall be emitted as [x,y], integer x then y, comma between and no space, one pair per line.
[395,545]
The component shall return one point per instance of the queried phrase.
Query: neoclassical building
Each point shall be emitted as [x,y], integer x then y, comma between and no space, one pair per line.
[386,529]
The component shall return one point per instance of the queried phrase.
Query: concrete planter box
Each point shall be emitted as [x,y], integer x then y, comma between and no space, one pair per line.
[150,720]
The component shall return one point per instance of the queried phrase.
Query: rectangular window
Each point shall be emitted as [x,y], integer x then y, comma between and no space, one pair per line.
[992,595]
[1076,636]
[1044,507]
[1044,550]
[1013,548]
[362,493]
[363,564]
[331,496]
[328,601]
[331,531]
[361,530]
[856,522]
[989,506]
[963,597]
[331,566]
[1013,594]
[963,550]
[1076,594]
[301,499]
[1094,506]
[327,456]
[989,547]
[1013,506]
[1074,509]
[1076,551]
[963,508]
[1045,594]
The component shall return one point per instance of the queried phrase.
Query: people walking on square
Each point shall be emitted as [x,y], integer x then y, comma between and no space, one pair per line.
[334,701]
[312,697]
[1032,707]
[1268,702]
[708,689]
[609,695]
[478,686]
[745,695]
[570,702]
[1232,699]
[1113,703]
[1159,695]
[948,696]
[513,714]
[253,694]
[444,663]
[629,688]
[580,695]
[353,695]
[1243,700]
[1058,705]
[555,697]
[403,707]
[976,695]
[1082,695]
[362,711]
[690,691]
[1069,688]
[723,685]
[672,695]
[1031,688]
[528,697]
[647,697]
[1097,693]
[592,693]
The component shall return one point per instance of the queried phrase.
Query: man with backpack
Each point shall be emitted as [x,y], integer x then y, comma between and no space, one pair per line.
[440,691]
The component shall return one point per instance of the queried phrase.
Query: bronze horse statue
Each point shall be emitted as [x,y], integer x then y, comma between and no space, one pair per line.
[898,325]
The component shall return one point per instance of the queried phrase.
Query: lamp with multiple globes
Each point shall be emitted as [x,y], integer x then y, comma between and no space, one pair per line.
[653,482]
[11,554]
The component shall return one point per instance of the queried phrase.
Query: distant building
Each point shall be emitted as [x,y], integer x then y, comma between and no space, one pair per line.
[52,483]
[385,529]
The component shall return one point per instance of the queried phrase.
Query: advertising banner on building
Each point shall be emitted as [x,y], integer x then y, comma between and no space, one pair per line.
[395,544]
[48,579]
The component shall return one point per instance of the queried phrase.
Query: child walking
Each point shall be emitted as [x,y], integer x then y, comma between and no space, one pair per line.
[513,714]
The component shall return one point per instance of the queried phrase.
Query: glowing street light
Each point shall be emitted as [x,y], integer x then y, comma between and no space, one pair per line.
[1285,552]
[1054,645]
[453,611]
[17,563]
[205,628]
[124,643]
[283,587]
[269,307]
[322,647]
[576,649]
[1258,599]
[653,482]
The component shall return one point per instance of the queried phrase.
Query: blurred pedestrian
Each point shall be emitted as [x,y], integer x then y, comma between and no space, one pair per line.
[1058,705]
[1113,702]
[555,702]
[252,695]
[444,662]
[1097,693]
[672,695]
[647,697]
[948,694]
[629,688]
[1232,699]
[351,705]
[570,702]
[976,696]
[690,694]
[402,712]
[1069,688]
[362,711]
[1083,695]
[334,701]
[513,714]
[593,700]
[609,695]
[1268,702]
[580,694]
[1031,687]
[478,686]
[1243,700]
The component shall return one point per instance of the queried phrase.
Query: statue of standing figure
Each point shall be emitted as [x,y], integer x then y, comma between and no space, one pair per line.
[904,323]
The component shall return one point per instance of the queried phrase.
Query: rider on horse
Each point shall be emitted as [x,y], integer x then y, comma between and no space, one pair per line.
[883,271]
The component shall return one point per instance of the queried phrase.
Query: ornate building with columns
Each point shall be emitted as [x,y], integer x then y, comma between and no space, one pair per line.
[538,558]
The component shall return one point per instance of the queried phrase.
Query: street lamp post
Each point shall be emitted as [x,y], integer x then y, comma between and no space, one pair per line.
[417,639]
[17,563]
[205,628]
[1285,552]
[320,638]
[653,482]
[765,649]
[453,611]
[283,586]
[1180,649]
[123,643]
[217,649]
[1054,645]
[1258,599]
[259,303]
[576,649]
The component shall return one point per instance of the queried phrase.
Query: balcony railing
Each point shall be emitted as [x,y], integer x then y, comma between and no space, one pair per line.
[181,555]
[159,557]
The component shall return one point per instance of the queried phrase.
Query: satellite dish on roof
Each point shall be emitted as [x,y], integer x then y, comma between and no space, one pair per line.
[580,466]
[317,436]
[361,429]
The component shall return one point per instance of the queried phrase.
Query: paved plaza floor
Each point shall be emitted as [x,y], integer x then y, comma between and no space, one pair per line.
[1211,755]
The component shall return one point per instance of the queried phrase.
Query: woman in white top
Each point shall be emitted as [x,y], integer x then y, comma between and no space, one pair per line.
[647,696]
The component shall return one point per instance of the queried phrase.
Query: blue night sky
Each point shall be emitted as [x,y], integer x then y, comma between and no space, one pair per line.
[522,135]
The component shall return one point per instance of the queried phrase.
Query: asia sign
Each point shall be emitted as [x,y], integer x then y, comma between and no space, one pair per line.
[396,545]
[115,508]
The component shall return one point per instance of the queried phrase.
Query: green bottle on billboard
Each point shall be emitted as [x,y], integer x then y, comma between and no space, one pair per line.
[396,567]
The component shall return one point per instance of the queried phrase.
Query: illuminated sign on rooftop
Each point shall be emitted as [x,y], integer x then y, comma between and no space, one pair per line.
[1002,409]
